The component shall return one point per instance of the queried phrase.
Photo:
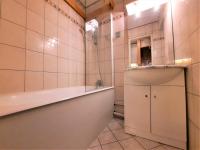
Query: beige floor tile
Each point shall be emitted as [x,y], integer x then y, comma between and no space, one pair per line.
[112,146]
[121,135]
[115,125]
[95,143]
[147,144]
[95,148]
[106,129]
[131,144]
[106,137]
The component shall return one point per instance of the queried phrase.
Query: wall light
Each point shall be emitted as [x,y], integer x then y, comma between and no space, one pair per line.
[138,6]
[133,65]
[91,25]
[183,61]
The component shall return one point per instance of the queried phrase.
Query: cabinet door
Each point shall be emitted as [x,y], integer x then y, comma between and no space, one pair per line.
[168,112]
[137,107]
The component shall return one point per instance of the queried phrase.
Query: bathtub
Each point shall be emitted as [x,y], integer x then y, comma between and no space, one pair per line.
[66,118]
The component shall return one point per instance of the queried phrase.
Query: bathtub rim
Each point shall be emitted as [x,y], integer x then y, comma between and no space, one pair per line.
[4,113]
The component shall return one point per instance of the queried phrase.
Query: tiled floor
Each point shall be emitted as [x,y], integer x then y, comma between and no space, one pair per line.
[113,137]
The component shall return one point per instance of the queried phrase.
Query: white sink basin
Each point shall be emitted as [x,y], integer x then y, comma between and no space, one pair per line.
[152,75]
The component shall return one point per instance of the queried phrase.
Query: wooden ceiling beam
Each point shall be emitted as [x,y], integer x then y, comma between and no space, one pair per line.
[112,4]
[108,6]
[98,12]
[76,7]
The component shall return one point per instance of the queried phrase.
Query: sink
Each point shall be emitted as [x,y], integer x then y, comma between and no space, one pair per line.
[152,75]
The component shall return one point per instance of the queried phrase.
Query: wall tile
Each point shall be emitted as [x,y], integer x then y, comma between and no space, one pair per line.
[22,2]
[194,136]
[34,61]
[34,48]
[51,46]
[62,21]
[63,65]
[51,14]
[119,79]
[63,80]
[119,51]
[119,93]
[11,81]
[119,65]
[37,6]
[50,29]
[12,57]
[34,41]
[13,11]
[33,81]
[63,35]
[50,63]
[12,34]
[72,79]
[194,109]
[63,50]
[196,79]
[35,22]
[50,80]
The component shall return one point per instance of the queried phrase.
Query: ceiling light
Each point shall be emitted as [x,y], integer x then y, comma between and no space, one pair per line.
[142,5]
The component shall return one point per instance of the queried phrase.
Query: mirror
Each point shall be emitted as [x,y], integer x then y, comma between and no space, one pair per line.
[150,35]
[140,51]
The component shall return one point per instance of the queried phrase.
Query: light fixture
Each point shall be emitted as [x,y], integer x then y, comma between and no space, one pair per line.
[133,65]
[136,7]
[183,61]
[91,25]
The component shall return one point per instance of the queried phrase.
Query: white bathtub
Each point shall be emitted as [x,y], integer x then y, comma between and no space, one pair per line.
[17,102]
[68,118]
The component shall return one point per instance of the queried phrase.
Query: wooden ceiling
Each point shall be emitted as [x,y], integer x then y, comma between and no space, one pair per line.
[91,8]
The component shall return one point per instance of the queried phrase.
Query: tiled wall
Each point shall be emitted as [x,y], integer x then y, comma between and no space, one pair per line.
[41,46]
[120,48]
[186,16]
[98,56]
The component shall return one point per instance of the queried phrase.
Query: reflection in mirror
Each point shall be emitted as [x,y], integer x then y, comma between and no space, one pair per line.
[140,51]
[150,34]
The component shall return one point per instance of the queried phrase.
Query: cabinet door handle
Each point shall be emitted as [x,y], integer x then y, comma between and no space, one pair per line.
[155,96]
[146,95]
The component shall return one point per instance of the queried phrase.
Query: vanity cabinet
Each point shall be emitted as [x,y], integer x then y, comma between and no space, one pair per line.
[138,107]
[168,112]
[156,111]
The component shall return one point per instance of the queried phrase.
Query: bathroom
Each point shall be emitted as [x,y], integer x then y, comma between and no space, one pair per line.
[87,74]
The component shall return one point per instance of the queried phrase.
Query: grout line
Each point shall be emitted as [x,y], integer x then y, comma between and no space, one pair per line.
[191,93]
[57,44]
[21,4]
[36,71]
[99,143]
[139,143]
[31,50]
[157,147]
[10,21]
[44,44]
[194,124]
[116,138]
[25,47]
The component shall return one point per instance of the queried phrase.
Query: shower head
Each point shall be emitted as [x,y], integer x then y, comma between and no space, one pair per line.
[95,36]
